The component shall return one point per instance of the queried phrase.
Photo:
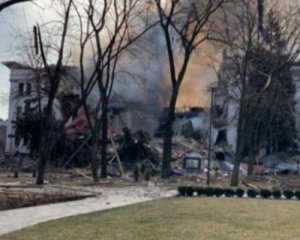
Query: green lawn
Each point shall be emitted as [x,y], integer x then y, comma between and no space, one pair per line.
[178,219]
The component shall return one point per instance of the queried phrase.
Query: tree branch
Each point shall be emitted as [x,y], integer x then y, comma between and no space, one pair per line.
[10,3]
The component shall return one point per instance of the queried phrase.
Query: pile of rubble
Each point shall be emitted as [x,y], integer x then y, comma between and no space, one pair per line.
[188,155]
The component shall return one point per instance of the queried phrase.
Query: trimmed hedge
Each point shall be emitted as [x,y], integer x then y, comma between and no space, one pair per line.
[181,191]
[297,195]
[230,192]
[288,194]
[252,193]
[190,191]
[199,191]
[186,191]
[276,194]
[219,192]
[209,191]
[265,193]
[240,192]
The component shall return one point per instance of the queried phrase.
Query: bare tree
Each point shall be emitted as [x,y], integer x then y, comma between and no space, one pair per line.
[107,29]
[185,25]
[250,84]
[9,3]
[54,79]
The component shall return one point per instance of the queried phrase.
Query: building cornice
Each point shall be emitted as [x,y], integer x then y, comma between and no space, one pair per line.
[15,65]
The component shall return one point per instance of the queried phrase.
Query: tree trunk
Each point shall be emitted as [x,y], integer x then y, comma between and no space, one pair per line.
[42,161]
[236,169]
[239,146]
[168,134]
[252,150]
[167,150]
[251,163]
[44,146]
[44,151]
[94,160]
[104,128]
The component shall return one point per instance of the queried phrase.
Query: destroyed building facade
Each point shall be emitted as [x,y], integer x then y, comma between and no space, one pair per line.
[28,89]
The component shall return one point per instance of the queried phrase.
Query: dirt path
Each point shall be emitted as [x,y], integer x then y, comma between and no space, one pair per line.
[17,219]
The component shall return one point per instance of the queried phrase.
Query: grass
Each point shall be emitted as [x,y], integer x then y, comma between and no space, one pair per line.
[177,219]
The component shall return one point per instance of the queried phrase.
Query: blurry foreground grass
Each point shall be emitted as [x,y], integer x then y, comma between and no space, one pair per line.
[177,219]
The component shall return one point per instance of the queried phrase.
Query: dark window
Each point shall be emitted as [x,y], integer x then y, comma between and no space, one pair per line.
[28,88]
[221,138]
[21,89]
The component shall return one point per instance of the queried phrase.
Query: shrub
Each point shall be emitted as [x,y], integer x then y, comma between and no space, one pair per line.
[219,192]
[200,191]
[252,193]
[190,191]
[288,194]
[181,191]
[276,194]
[209,191]
[297,195]
[240,192]
[265,193]
[229,192]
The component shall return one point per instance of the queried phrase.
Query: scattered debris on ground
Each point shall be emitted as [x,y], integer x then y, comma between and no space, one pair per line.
[135,160]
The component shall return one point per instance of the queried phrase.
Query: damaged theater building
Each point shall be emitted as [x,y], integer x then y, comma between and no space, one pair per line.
[135,105]
[138,104]
[28,93]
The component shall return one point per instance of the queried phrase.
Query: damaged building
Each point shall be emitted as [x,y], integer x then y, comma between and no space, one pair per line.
[226,100]
[28,92]
[133,111]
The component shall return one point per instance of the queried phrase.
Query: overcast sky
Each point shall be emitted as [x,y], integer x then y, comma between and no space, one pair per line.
[21,18]
[11,20]
[16,19]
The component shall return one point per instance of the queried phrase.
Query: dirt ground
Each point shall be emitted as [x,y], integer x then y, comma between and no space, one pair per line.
[70,185]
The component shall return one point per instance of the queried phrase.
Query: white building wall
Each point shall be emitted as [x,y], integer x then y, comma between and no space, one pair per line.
[18,75]
[232,124]
[25,75]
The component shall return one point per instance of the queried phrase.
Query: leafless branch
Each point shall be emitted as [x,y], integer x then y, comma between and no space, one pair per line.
[10,3]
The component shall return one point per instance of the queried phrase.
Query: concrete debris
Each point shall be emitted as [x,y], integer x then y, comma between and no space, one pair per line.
[279,163]
[228,167]
[135,151]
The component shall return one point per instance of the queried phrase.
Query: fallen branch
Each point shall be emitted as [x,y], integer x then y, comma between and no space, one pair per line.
[250,185]
[83,175]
